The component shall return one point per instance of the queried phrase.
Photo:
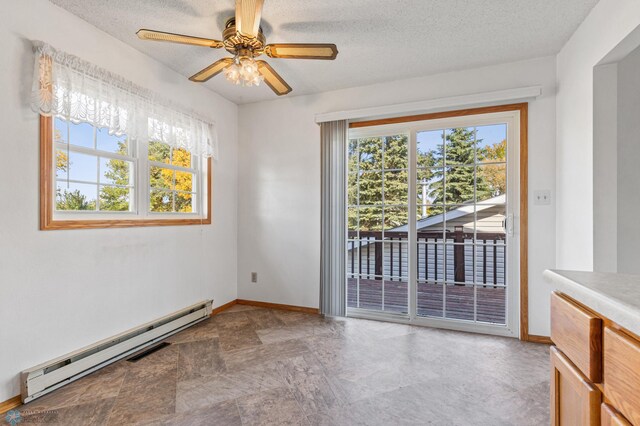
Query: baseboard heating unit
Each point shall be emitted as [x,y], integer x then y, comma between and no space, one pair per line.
[46,377]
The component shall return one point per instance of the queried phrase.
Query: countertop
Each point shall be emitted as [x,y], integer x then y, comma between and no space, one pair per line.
[614,296]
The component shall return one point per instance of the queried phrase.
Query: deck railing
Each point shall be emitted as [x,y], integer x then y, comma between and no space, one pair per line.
[452,254]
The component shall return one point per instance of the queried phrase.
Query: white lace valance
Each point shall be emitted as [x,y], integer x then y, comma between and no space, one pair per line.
[71,88]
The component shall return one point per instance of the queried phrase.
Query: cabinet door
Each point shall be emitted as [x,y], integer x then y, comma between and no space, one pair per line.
[611,417]
[574,401]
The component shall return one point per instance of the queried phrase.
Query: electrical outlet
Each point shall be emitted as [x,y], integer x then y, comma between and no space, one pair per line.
[254,277]
[542,198]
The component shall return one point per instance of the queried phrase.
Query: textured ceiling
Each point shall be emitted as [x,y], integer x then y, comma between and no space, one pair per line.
[378,40]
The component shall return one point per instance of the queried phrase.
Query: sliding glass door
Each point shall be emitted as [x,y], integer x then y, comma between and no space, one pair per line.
[430,222]
[378,209]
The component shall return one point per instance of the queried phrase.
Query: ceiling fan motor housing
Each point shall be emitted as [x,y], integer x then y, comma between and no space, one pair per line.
[238,44]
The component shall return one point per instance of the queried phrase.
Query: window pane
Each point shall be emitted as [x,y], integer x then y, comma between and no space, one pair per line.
[353,155]
[184,181]
[430,148]
[111,143]
[396,152]
[114,198]
[459,185]
[395,219]
[60,131]
[491,304]
[62,164]
[460,145]
[396,295]
[370,219]
[159,151]
[83,167]
[352,189]
[81,134]
[160,177]
[430,299]
[459,302]
[396,257]
[370,150]
[430,186]
[430,256]
[76,196]
[184,202]
[492,143]
[352,221]
[181,158]
[490,219]
[396,187]
[491,182]
[370,186]
[160,201]
[460,220]
[116,172]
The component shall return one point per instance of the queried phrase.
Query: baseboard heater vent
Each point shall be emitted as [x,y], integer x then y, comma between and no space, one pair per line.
[148,351]
[46,377]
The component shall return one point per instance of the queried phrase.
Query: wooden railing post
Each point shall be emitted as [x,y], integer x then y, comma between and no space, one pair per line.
[378,259]
[458,255]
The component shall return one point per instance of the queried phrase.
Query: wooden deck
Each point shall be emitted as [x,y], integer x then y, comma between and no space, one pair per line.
[490,301]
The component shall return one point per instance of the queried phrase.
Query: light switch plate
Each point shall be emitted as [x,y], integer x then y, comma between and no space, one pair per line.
[542,198]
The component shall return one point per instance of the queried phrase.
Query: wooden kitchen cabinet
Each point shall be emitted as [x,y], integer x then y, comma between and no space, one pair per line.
[595,374]
[574,400]
[611,417]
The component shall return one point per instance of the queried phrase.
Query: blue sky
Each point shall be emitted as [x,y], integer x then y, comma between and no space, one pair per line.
[82,166]
[489,135]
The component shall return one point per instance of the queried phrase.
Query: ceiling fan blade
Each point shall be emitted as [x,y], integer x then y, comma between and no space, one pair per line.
[248,15]
[301,51]
[211,71]
[144,34]
[273,79]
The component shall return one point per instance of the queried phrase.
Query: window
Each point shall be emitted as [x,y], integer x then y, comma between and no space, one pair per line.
[93,179]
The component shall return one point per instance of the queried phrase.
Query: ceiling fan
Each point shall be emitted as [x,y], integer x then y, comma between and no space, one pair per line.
[243,38]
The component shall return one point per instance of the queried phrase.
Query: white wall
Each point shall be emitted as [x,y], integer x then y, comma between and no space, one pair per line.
[279,179]
[605,164]
[60,290]
[628,205]
[607,25]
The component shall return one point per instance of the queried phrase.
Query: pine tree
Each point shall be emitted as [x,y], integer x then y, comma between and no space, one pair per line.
[457,173]
[373,161]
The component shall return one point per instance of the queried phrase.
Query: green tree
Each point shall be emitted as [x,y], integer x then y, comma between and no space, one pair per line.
[165,188]
[73,200]
[378,166]
[115,198]
[455,180]
[495,174]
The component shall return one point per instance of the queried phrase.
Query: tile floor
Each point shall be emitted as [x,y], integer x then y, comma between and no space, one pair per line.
[254,366]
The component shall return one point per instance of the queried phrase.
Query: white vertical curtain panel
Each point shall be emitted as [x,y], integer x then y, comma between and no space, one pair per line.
[333,140]
[68,87]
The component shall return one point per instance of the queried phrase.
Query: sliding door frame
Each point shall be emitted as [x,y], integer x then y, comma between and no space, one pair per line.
[522,328]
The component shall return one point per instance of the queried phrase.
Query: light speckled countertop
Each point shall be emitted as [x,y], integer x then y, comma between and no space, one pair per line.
[614,296]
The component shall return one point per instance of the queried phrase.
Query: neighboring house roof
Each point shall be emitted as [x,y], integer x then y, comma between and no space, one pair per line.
[453,214]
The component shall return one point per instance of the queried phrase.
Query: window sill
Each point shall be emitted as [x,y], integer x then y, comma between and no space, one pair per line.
[52,225]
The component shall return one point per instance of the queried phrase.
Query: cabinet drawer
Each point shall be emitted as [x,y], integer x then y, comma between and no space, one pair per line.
[578,334]
[622,373]
[611,417]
